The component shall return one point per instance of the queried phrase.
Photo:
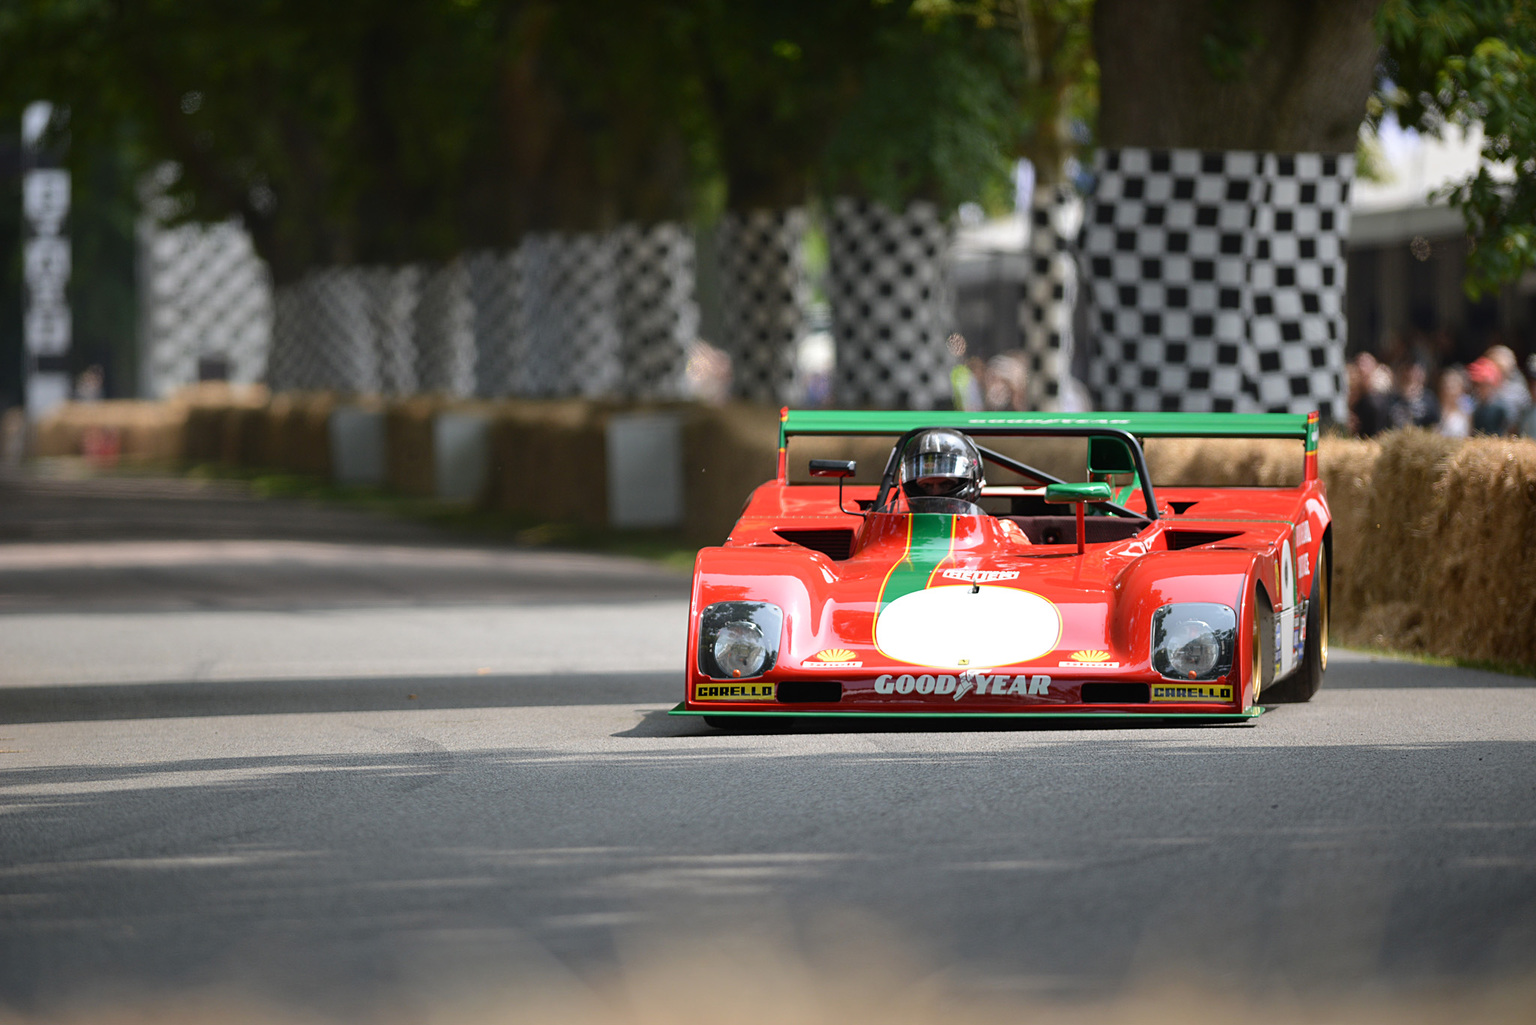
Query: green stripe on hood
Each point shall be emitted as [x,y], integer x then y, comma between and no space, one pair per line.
[929,543]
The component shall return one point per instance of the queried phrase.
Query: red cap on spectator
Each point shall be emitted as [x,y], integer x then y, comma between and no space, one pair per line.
[1484,371]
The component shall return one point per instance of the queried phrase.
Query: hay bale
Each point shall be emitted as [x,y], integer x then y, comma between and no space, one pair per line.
[727,452]
[1479,589]
[1225,462]
[1346,467]
[408,441]
[304,434]
[129,430]
[548,460]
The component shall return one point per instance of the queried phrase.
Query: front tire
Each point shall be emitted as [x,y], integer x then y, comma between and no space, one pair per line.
[1262,646]
[1308,678]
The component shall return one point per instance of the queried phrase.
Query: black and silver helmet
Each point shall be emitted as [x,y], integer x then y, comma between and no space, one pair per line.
[941,463]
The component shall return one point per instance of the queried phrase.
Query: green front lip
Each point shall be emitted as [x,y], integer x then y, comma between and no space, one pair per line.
[1252,713]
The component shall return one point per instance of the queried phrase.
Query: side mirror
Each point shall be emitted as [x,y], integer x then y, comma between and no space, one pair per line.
[1108,456]
[1078,495]
[1063,494]
[839,468]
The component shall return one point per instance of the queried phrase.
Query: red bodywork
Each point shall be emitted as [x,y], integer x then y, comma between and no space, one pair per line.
[1222,545]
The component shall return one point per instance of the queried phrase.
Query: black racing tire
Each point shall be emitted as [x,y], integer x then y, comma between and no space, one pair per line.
[1308,678]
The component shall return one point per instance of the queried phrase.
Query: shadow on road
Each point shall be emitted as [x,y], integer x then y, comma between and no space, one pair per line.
[267,697]
[335,881]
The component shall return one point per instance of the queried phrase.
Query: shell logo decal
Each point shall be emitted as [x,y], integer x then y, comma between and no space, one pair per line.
[834,655]
[832,658]
[1089,658]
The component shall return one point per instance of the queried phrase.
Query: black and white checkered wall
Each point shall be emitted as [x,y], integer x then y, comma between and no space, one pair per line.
[1217,280]
[323,333]
[892,310]
[657,313]
[1050,294]
[204,295]
[764,293]
[599,314]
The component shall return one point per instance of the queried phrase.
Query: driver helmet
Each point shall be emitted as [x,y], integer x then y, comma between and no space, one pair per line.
[941,462]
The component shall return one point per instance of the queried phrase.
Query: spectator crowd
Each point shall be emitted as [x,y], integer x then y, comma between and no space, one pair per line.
[1491,395]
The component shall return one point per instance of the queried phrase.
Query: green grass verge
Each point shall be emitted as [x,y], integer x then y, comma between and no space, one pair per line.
[1450,662]
[667,547]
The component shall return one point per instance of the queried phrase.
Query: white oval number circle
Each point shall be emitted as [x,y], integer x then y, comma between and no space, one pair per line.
[962,627]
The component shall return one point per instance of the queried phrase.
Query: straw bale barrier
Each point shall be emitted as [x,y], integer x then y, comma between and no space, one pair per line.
[1434,540]
[548,460]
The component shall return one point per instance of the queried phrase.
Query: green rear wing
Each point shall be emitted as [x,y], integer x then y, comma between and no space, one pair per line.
[1298,426]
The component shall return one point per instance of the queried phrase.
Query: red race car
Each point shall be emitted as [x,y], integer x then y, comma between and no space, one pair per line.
[1013,564]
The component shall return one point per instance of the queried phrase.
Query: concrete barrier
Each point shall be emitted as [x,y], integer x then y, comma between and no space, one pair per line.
[357,444]
[461,451]
[644,456]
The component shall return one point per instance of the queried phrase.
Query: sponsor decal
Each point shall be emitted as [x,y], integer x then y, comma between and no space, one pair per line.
[1089,660]
[1191,692]
[1303,533]
[1303,564]
[958,686]
[832,658]
[980,576]
[734,691]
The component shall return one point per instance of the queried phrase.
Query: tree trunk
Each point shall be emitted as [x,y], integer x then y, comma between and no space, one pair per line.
[1284,76]
[763,292]
[892,312]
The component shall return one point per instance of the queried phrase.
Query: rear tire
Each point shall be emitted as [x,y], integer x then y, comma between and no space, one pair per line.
[1308,678]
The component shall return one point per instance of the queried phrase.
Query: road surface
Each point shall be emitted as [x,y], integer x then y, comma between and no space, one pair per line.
[342,766]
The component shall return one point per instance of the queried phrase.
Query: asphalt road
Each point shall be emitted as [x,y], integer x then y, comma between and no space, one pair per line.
[340,766]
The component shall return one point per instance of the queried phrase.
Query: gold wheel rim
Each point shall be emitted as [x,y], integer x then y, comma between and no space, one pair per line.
[1256,671]
[1322,614]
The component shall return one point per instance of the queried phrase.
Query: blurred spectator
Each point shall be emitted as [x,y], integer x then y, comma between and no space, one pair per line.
[1370,388]
[1528,418]
[1512,392]
[965,380]
[90,384]
[1004,388]
[709,373]
[1489,415]
[1412,405]
[1455,405]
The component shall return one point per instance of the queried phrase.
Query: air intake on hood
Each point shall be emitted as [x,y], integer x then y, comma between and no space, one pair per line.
[834,544]
[1178,540]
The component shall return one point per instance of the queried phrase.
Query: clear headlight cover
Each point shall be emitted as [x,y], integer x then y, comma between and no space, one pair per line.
[739,640]
[1194,640]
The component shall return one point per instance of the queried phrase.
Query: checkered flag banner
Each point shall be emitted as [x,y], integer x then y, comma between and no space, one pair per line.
[892,310]
[1217,280]
[1049,294]
[764,296]
[204,295]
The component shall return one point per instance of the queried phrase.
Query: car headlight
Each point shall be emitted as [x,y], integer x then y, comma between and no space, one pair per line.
[1194,640]
[739,640]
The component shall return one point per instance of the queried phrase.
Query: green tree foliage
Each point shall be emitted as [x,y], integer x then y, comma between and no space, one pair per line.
[1463,63]
[1053,77]
[384,132]
[933,118]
